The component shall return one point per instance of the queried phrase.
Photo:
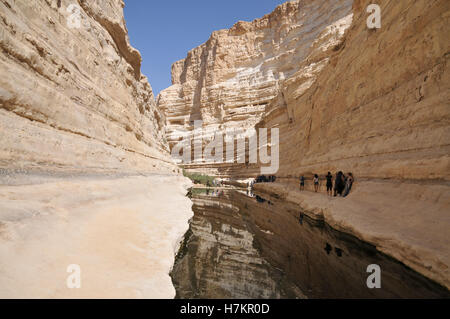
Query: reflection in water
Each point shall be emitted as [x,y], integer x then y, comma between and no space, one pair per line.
[242,245]
[218,258]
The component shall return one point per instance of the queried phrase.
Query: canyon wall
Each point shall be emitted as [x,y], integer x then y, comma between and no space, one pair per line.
[72,95]
[343,96]
[380,107]
[374,102]
[86,179]
[229,81]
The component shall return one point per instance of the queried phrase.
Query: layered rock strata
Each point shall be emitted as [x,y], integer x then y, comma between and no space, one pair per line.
[71,91]
[374,102]
[80,136]
[380,107]
[229,81]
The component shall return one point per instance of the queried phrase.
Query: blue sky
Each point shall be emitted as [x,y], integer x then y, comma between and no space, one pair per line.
[164,31]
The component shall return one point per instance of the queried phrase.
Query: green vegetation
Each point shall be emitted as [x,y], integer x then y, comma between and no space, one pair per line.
[199,191]
[198,178]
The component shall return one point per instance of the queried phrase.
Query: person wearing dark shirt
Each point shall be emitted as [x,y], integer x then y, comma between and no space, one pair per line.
[339,184]
[329,184]
[302,183]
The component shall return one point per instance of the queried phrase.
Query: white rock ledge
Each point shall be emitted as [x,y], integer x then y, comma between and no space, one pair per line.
[123,232]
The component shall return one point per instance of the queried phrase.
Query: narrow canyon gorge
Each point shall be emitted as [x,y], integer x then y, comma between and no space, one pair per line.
[88,177]
[344,98]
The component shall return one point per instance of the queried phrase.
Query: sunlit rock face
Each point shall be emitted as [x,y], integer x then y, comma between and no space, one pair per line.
[229,81]
[220,257]
[374,102]
[345,97]
[379,107]
[72,94]
[78,122]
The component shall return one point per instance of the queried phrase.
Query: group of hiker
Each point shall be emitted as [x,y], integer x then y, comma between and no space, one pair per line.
[265,179]
[215,183]
[214,192]
[342,183]
[341,186]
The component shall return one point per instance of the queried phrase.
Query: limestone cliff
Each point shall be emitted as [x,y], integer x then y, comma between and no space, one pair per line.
[374,102]
[81,139]
[380,107]
[72,96]
[229,81]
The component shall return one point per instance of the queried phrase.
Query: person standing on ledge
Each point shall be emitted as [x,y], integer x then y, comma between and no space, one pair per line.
[339,184]
[316,182]
[348,184]
[329,184]
[302,183]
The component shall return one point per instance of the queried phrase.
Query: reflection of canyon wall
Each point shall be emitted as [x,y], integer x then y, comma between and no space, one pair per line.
[74,97]
[240,245]
[220,258]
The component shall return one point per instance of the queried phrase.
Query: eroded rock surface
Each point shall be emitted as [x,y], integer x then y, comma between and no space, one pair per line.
[80,140]
[74,97]
[380,106]
[229,81]
[345,97]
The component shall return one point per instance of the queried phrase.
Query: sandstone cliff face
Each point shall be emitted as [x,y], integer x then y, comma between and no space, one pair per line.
[380,107]
[78,122]
[344,97]
[372,102]
[229,81]
[74,97]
